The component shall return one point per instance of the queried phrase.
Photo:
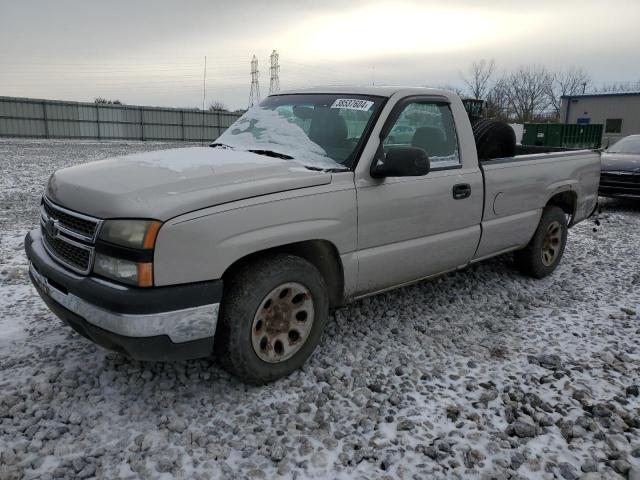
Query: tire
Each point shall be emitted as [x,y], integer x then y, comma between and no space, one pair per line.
[493,139]
[247,318]
[535,259]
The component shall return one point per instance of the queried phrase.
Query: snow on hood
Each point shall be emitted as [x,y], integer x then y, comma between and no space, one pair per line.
[165,183]
[264,129]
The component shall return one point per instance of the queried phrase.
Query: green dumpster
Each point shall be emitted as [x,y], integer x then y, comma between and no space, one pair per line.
[560,135]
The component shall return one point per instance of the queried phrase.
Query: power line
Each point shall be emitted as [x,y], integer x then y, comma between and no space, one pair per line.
[274,70]
[254,94]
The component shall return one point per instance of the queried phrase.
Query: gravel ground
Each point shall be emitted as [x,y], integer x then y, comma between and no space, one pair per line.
[479,374]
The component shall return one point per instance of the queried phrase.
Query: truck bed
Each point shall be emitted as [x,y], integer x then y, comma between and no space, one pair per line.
[517,189]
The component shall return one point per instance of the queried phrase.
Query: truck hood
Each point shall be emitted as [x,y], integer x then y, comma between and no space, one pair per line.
[620,162]
[166,183]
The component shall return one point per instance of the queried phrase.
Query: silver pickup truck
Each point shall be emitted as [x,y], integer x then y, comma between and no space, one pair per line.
[305,203]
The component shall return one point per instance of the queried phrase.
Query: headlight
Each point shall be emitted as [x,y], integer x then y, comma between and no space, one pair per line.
[124,251]
[125,271]
[130,233]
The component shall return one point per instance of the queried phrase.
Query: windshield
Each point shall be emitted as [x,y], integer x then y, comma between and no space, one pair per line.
[319,131]
[626,145]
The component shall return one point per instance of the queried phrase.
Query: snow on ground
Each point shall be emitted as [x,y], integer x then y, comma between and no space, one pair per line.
[479,374]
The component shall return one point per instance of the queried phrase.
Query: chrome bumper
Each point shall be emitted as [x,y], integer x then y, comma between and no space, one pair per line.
[179,325]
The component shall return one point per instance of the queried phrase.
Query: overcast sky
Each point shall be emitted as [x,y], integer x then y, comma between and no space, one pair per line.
[152,52]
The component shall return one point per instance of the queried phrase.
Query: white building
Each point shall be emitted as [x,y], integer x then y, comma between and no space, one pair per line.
[618,112]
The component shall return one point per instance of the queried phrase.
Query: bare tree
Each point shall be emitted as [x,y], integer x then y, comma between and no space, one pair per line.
[217,106]
[497,102]
[619,87]
[570,81]
[106,101]
[527,91]
[478,78]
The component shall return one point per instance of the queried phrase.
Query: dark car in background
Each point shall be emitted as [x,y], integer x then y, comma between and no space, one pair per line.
[620,175]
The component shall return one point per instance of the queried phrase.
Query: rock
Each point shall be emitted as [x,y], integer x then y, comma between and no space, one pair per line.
[277,453]
[87,471]
[75,418]
[600,410]
[453,412]
[473,457]
[568,471]
[489,395]
[621,466]
[633,474]
[177,425]
[578,432]
[549,361]
[405,425]
[635,452]
[589,466]
[591,476]
[632,391]
[517,459]
[628,311]
[523,429]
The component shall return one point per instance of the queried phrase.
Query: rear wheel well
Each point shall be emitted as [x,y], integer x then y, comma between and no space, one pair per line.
[322,254]
[567,201]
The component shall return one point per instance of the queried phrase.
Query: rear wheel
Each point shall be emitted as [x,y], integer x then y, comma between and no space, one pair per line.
[544,252]
[272,317]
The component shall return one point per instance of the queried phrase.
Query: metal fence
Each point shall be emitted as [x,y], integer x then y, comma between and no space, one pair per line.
[28,117]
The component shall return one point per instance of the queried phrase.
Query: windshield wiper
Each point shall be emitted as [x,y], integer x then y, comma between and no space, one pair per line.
[271,153]
[220,145]
[328,170]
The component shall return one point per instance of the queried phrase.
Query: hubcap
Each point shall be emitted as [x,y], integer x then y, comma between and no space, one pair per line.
[551,243]
[282,323]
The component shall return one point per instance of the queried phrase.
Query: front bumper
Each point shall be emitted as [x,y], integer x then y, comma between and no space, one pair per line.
[158,323]
[619,184]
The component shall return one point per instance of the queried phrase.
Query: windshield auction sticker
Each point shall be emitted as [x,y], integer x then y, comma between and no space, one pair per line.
[352,104]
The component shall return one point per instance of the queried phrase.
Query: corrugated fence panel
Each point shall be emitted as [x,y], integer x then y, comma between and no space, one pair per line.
[87,113]
[15,127]
[59,111]
[64,129]
[26,117]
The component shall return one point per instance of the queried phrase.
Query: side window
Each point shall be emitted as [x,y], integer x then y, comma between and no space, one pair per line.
[613,125]
[428,126]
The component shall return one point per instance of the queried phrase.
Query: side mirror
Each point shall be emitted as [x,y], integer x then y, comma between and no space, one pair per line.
[400,162]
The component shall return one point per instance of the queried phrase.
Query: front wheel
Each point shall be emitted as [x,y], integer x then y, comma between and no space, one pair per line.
[544,252]
[272,317]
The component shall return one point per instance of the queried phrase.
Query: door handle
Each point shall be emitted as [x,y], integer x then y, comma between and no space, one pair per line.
[461,190]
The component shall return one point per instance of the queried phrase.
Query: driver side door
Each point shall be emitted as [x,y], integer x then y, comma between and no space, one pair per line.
[413,227]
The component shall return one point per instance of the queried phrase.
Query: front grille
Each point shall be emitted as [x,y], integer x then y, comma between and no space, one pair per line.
[73,255]
[69,236]
[82,226]
[619,184]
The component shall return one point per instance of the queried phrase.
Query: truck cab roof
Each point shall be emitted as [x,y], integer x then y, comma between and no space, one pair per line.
[377,90]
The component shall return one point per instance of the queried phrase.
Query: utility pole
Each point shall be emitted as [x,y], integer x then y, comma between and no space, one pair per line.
[274,70]
[254,95]
[204,93]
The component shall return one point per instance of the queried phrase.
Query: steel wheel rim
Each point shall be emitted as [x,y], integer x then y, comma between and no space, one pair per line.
[551,243]
[282,323]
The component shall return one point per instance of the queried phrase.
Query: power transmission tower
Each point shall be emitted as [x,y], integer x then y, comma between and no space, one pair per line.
[274,70]
[254,95]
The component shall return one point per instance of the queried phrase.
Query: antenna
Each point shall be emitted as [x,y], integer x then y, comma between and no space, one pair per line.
[274,70]
[254,95]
